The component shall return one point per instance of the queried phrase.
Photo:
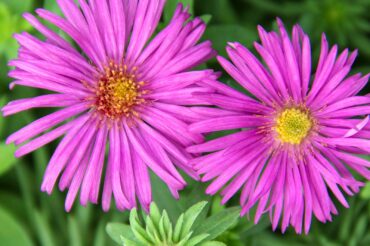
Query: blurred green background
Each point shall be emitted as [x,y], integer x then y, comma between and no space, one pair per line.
[29,217]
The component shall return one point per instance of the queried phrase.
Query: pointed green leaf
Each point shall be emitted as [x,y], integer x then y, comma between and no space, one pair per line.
[185,239]
[116,230]
[206,18]
[218,223]
[155,214]
[162,231]
[178,228]
[137,229]
[196,240]
[167,227]
[151,230]
[190,216]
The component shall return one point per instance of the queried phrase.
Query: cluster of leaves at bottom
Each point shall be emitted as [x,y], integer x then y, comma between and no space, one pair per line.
[191,229]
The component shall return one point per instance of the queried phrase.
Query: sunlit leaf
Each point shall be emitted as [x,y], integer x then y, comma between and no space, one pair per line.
[11,231]
[18,6]
[116,230]
[7,159]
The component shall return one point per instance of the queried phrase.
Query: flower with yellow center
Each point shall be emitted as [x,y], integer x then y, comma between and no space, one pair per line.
[118,92]
[302,131]
[293,125]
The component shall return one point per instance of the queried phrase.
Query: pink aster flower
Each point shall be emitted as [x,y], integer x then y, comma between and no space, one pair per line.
[301,134]
[125,89]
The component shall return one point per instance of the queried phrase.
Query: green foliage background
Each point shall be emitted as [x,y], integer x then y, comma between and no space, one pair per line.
[29,217]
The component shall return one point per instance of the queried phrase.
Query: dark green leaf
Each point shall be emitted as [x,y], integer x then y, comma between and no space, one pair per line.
[218,223]
[220,35]
[164,200]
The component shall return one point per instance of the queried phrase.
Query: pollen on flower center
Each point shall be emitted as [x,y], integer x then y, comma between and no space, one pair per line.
[293,125]
[118,92]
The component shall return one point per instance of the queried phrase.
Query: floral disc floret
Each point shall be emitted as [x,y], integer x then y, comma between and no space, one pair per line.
[293,125]
[119,92]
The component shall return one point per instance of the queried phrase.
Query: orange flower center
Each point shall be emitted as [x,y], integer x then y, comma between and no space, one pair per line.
[118,92]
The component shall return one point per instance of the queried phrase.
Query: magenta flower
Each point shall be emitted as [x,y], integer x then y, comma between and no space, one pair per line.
[301,136]
[125,90]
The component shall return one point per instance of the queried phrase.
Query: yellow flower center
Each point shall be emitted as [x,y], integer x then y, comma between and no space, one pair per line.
[293,125]
[118,92]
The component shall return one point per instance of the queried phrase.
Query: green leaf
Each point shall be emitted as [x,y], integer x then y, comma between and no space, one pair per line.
[221,10]
[100,236]
[18,6]
[11,232]
[220,35]
[212,243]
[163,198]
[127,242]
[218,223]
[118,230]
[7,159]
[359,230]
[206,18]
[137,229]
[185,239]
[83,217]
[155,214]
[165,228]
[365,193]
[196,240]
[190,216]
[11,23]
[178,227]
[74,232]
[44,231]
[171,6]
[52,6]
[13,203]
[290,8]
[2,104]
[151,230]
